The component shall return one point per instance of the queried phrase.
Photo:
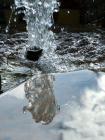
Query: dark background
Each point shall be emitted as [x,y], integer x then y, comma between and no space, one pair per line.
[82,12]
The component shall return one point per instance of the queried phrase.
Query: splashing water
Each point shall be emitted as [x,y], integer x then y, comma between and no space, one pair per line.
[39,18]
[62,52]
[38,15]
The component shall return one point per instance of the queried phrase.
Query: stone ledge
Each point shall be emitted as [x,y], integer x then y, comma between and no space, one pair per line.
[74,92]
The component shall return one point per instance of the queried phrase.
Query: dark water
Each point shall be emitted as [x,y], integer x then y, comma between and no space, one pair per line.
[74,51]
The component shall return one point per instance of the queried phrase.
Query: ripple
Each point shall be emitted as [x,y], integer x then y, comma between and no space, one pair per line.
[73,51]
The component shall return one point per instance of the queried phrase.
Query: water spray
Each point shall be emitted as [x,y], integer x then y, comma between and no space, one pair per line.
[38,15]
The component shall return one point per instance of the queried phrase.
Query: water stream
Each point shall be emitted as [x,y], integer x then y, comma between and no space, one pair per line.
[39,18]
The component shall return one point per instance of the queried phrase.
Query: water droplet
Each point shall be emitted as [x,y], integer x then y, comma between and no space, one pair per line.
[24,109]
[56,10]
[40,3]
[46,5]
[62,29]
[14,19]
[7,29]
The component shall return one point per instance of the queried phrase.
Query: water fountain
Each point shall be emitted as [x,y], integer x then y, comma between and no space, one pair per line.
[62,51]
[81,94]
[39,18]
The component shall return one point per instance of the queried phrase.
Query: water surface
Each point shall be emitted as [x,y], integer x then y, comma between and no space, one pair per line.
[73,51]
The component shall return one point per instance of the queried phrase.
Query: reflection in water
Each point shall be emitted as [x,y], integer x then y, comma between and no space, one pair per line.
[42,104]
